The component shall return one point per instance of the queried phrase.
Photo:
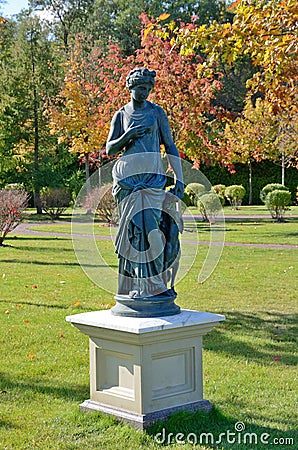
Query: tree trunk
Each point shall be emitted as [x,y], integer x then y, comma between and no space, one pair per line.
[250,199]
[36,183]
[283,167]
[87,172]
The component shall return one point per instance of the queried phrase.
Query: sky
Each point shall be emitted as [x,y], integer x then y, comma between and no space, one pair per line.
[13,7]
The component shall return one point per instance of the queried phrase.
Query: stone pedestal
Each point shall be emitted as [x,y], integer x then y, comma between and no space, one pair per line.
[144,369]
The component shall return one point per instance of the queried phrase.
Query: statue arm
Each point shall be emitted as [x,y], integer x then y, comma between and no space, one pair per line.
[172,154]
[115,141]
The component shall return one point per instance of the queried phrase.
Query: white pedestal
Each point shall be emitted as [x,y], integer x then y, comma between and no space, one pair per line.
[144,369]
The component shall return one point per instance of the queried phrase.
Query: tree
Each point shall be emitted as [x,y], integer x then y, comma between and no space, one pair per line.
[80,115]
[187,99]
[263,30]
[13,202]
[121,21]
[28,78]
[94,89]
[70,16]
[252,137]
[263,34]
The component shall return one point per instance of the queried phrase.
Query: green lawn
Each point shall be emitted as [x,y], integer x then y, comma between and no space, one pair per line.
[249,360]
[261,231]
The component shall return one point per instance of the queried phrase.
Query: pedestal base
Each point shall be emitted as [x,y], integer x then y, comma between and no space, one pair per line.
[144,421]
[144,369]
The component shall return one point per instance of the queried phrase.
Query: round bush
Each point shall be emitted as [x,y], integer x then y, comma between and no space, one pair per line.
[276,202]
[55,201]
[235,194]
[209,204]
[105,204]
[219,189]
[269,188]
[185,201]
[194,191]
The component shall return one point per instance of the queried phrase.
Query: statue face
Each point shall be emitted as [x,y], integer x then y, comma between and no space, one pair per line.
[140,92]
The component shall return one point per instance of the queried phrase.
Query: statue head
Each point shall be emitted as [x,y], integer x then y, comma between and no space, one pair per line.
[139,76]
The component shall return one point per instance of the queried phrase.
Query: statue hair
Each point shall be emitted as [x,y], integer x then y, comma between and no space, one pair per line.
[140,76]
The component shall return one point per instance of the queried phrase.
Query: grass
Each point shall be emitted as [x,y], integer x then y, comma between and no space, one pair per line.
[249,361]
[241,226]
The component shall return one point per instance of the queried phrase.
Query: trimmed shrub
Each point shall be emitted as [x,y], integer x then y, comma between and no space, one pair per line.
[185,201]
[276,202]
[269,188]
[13,203]
[194,191]
[55,201]
[106,208]
[262,173]
[219,189]
[235,194]
[209,205]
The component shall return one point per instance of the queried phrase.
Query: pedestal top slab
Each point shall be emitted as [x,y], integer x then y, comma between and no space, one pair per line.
[105,319]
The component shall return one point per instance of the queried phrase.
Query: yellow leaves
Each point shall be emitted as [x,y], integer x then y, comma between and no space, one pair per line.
[147,31]
[266,32]
[61,139]
[163,16]
[234,5]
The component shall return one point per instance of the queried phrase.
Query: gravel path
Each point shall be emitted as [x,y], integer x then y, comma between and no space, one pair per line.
[24,229]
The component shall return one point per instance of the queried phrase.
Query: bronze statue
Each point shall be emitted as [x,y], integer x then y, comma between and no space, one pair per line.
[147,243]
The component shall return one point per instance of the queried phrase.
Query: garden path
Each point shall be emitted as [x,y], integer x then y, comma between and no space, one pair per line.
[24,229]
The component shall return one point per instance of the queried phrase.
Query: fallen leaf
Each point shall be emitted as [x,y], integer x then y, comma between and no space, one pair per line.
[6,312]
[31,356]
[76,303]
[61,335]
[18,307]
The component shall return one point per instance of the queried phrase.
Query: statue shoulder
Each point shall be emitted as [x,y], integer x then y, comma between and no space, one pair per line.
[159,111]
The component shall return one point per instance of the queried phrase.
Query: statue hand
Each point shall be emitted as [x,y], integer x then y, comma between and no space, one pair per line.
[178,190]
[136,131]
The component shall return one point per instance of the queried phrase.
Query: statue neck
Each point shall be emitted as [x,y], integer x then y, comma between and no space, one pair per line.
[135,105]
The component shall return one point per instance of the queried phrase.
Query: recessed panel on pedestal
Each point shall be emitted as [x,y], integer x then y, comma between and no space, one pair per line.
[173,373]
[116,373]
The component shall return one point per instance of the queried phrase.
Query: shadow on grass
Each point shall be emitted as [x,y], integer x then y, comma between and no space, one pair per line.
[214,430]
[56,263]
[39,238]
[277,331]
[67,218]
[26,387]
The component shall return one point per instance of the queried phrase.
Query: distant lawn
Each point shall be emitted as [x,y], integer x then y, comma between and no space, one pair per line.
[261,231]
[249,361]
